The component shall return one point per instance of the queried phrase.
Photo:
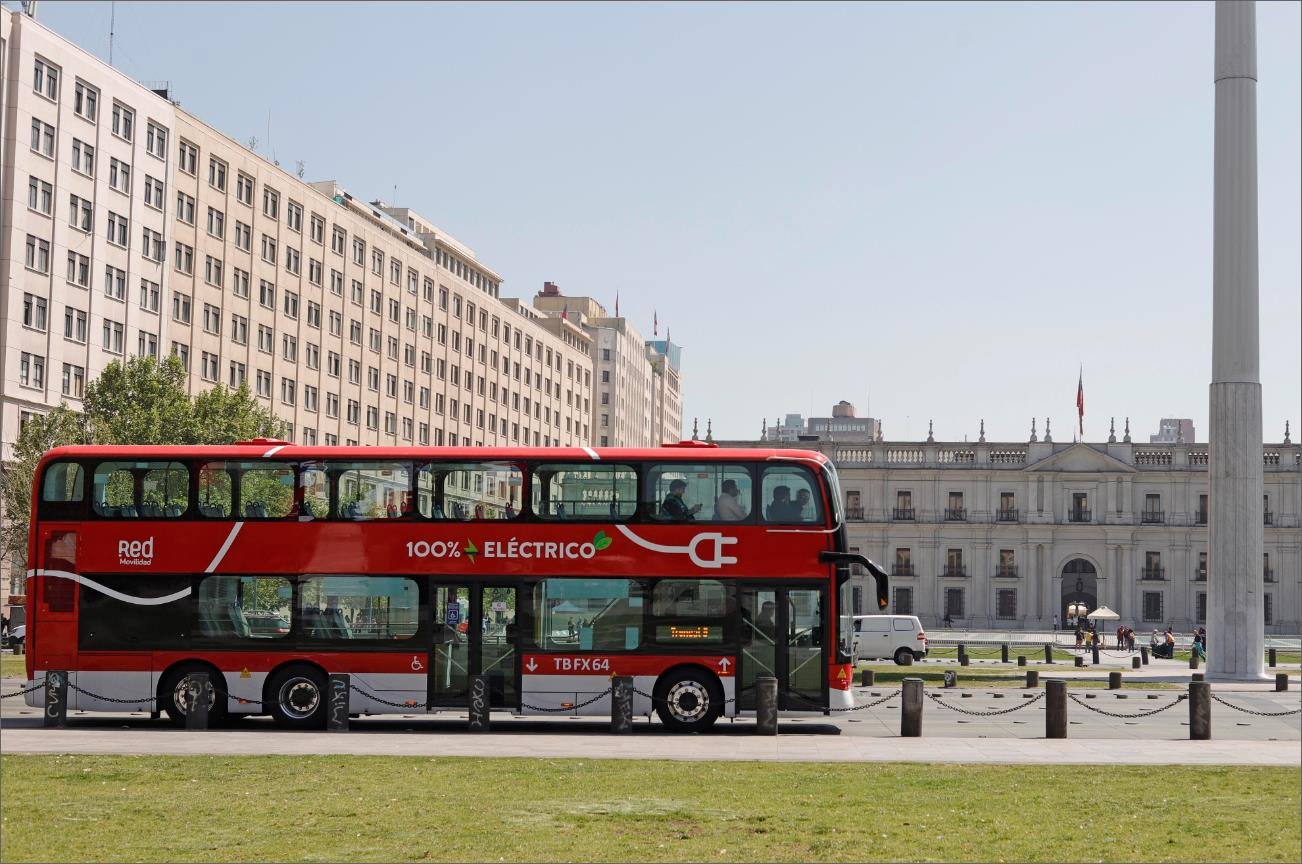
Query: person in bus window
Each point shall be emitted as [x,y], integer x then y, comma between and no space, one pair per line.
[674,507]
[802,503]
[765,623]
[727,507]
[781,508]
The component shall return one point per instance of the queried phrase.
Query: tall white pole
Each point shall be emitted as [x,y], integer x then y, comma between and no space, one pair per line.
[1235,631]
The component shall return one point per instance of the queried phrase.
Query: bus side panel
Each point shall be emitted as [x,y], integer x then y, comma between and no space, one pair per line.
[53,609]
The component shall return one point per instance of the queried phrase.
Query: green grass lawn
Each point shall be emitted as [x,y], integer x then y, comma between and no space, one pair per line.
[357,808]
[13,666]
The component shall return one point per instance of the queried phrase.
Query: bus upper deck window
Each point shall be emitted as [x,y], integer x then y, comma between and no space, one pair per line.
[699,492]
[790,495]
[470,491]
[603,491]
[141,490]
[63,483]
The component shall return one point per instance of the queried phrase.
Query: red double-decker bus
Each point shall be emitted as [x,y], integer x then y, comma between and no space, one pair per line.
[269,566]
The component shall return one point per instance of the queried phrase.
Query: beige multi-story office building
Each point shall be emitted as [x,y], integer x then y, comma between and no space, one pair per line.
[1007,535]
[132,227]
[637,398]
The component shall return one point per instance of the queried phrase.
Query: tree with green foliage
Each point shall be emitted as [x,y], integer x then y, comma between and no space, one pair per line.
[42,433]
[142,401]
[222,415]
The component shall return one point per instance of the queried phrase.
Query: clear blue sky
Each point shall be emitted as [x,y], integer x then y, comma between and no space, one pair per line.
[947,206]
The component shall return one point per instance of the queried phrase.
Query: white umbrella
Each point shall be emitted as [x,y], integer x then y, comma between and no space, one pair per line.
[1104,613]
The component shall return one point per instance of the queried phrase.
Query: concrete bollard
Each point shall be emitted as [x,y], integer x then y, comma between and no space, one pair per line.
[621,705]
[1021,659]
[1270,654]
[1143,654]
[1048,652]
[766,706]
[1200,711]
[1134,662]
[962,654]
[1197,676]
[951,678]
[1032,678]
[1114,680]
[1281,682]
[478,696]
[1080,661]
[1193,659]
[911,715]
[56,700]
[906,659]
[1003,653]
[337,710]
[867,677]
[196,697]
[1094,649]
[1055,711]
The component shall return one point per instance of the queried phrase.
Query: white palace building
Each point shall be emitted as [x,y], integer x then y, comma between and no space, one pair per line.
[1005,535]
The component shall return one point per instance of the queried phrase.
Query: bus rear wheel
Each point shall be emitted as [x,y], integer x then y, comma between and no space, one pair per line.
[297,698]
[173,694]
[688,700]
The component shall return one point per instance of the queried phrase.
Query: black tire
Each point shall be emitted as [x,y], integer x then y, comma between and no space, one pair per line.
[296,698]
[174,686]
[688,699]
[899,657]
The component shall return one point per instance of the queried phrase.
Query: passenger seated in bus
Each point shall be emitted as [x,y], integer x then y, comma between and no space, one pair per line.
[674,507]
[727,507]
[781,508]
[802,503]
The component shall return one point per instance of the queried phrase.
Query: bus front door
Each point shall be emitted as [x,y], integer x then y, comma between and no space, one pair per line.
[498,657]
[782,637]
[449,655]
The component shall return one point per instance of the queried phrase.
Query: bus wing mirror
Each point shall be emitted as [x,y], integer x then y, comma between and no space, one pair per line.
[879,575]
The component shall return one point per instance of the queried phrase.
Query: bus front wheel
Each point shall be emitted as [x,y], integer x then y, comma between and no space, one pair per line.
[296,698]
[173,693]
[689,700]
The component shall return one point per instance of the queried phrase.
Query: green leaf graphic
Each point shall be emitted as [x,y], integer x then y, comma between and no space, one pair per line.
[600,534]
[602,542]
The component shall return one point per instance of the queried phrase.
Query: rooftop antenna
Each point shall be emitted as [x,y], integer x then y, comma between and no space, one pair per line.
[113,9]
[274,160]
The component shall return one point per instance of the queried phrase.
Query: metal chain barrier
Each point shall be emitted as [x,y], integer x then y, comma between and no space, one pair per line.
[888,697]
[604,693]
[936,698]
[1256,713]
[1082,703]
[149,701]
[31,689]
[409,703]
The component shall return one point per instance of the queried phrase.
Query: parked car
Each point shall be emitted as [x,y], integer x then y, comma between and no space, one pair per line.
[889,637]
[266,624]
[15,636]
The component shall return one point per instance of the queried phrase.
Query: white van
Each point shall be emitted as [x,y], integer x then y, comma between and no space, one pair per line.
[889,637]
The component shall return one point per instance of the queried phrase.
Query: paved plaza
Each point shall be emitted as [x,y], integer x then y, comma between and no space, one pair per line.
[1252,724]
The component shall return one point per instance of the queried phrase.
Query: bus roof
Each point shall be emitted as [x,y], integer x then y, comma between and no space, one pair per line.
[689,451]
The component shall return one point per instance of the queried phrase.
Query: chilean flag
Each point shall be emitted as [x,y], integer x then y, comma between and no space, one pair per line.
[1080,401]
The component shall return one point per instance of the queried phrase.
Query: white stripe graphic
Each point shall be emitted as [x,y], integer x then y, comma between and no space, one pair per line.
[104,589]
[274,450]
[647,544]
[592,453]
[221,553]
